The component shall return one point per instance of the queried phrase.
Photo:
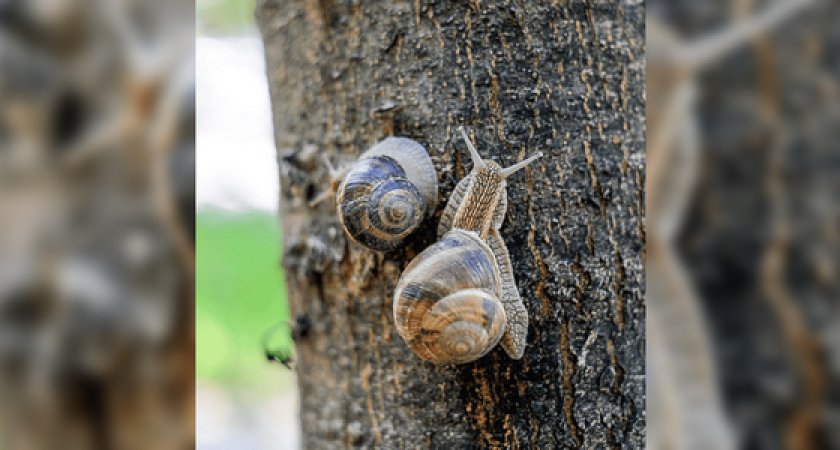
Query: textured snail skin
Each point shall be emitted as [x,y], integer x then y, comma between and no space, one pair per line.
[387,194]
[447,304]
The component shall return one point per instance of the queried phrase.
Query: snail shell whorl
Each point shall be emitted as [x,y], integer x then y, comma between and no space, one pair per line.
[415,161]
[387,194]
[378,205]
[446,304]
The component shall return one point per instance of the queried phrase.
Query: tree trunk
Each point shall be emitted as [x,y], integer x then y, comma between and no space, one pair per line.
[566,79]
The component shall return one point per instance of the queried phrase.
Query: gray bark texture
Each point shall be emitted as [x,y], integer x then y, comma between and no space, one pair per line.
[565,78]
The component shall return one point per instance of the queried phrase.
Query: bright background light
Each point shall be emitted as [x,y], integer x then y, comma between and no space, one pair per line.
[242,400]
[236,168]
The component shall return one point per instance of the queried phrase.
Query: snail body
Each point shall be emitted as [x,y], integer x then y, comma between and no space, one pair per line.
[386,194]
[471,261]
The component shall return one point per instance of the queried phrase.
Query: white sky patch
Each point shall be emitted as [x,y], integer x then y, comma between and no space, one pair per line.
[236,164]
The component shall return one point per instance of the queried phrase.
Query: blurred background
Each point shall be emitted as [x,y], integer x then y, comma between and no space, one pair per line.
[102,207]
[97,189]
[743,240]
[242,400]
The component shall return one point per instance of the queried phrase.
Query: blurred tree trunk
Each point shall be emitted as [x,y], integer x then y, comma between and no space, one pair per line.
[97,153]
[760,239]
[566,79]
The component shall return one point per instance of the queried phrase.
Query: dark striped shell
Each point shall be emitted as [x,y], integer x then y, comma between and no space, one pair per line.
[446,304]
[387,194]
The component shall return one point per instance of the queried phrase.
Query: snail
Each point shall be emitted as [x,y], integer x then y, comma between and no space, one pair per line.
[386,194]
[458,299]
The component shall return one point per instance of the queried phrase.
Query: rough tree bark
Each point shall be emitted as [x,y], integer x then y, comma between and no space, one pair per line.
[566,78]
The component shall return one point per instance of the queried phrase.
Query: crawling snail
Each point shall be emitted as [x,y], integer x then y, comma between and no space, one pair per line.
[386,194]
[457,299]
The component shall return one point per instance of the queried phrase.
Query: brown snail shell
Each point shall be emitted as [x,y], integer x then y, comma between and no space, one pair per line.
[387,194]
[446,304]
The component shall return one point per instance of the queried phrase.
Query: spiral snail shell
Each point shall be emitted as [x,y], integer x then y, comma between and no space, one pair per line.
[457,299]
[448,308]
[386,194]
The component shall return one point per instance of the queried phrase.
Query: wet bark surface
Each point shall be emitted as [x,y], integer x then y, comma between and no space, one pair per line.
[566,79]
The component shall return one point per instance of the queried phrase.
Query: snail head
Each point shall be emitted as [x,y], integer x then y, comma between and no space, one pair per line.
[480,164]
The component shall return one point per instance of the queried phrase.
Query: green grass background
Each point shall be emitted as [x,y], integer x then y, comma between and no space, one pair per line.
[240,293]
[225,17]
